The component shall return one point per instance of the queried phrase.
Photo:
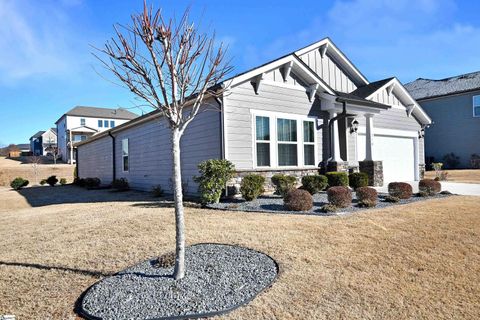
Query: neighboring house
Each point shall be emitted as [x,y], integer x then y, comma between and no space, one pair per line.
[307,110]
[82,122]
[454,105]
[42,142]
[19,150]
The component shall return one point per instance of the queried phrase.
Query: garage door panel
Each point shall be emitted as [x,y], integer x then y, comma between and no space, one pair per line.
[397,154]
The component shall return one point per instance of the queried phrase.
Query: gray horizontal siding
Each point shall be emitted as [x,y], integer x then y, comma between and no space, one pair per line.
[95,160]
[242,99]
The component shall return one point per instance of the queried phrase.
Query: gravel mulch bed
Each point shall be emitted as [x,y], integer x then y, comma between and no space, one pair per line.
[274,204]
[218,279]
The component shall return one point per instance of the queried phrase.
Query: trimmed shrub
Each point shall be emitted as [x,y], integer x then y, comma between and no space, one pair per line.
[329,208]
[431,187]
[157,191]
[400,190]
[52,181]
[79,182]
[91,182]
[18,183]
[283,184]
[314,183]
[120,184]
[252,186]
[298,200]
[336,179]
[391,199]
[214,175]
[339,196]
[358,180]
[63,181]
[75,173]
[367,197]
[423,194]
[446,192]
[43,182]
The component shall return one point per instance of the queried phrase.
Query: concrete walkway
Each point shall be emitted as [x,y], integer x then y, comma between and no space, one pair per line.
[466,189]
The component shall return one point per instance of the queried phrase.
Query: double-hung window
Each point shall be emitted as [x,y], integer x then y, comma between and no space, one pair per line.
[262,128]
[105,123]
[308,143]
[82,121]
[287,144]
[125,154]
[476,106]
[100,123]
[112,124]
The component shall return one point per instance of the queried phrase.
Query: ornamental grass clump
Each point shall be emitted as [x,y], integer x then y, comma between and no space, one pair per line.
[336,179]
[314,183]
[339,196]
[283,183]
[401,190]
[358,180]
[367,197]
[252,186]
[298,200]
[214,175]
[430,187]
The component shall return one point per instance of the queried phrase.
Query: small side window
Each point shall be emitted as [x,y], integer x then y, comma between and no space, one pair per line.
[112,124]
[125,154]
[105,123]
[82,121]
[100,123]
[476,106]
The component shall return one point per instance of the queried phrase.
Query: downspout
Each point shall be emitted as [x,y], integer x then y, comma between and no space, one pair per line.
[222,133]
[114,173]
[76,163]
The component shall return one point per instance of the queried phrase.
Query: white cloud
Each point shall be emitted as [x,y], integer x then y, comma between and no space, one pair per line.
[35,41]
[404,38]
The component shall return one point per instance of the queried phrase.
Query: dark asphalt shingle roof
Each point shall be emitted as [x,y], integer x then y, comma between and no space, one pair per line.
[101,113]
[38,134]
[429,88]
[370,88]
[350,97]
[23,146]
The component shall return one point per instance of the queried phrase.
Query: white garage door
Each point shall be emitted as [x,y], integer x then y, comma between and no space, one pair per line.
[397,154]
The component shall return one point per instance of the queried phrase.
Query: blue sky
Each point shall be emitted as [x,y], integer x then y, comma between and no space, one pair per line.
[46,66]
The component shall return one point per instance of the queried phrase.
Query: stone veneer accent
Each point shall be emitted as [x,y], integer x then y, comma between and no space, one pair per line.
[421,171]
[341,166]
[234,184]
[374,169]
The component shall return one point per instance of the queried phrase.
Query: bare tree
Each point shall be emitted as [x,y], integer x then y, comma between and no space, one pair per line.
[171,66]
[35,161]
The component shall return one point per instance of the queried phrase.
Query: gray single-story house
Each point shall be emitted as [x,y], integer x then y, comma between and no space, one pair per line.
[307,111]
[454,104]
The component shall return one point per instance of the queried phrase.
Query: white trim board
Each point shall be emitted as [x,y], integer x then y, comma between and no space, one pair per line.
[390,132]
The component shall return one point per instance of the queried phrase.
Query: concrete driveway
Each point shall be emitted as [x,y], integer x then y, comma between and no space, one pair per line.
[466,189]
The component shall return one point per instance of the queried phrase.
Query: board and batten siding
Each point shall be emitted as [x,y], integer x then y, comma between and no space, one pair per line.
[239,120]
[329,71]
[95,160]
[150,155]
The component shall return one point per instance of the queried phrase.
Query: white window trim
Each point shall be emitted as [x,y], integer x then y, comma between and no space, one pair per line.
[274,142]
[475,106]
[128,155]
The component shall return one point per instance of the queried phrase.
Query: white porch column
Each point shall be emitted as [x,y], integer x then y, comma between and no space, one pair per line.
[369,137]
[335,139]
[71,147]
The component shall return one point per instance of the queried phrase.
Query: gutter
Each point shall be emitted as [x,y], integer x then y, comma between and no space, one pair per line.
[114,173]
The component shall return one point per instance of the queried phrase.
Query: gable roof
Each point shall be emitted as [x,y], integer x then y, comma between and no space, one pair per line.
[430,88]
[370,88]
[95,112]
[36,135]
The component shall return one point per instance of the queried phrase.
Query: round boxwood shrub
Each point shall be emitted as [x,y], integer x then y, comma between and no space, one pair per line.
[52,181]
[283,183]
[43,182]
[252,186]
[18,183]
[367,197]
[214,175]
[63,181]
[401,190]
[391,199]
[120,184]
[336,179]
[358,180]
[339,196]
[298,200]
[431,187]
[91,182]
[314,183]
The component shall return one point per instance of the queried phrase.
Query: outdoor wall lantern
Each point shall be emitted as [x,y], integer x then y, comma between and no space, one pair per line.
[421,133]
[354,127]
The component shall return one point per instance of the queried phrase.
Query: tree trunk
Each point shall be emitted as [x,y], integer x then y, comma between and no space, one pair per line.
[179,271]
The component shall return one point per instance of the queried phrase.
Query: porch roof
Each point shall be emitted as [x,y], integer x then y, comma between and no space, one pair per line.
[354,99]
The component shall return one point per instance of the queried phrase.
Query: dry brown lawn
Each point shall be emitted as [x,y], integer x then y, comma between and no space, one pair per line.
[464,175]
[417,261]
[10,169]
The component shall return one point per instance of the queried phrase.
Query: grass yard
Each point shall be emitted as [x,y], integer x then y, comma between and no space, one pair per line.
[417,261]
[464,175]
[10,169]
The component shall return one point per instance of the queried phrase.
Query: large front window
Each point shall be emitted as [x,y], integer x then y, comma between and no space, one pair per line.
[262,125]
[287,142]
[476,106]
